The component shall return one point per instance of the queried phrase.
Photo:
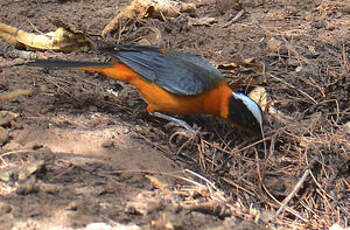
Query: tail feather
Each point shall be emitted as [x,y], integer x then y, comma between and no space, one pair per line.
[51,63]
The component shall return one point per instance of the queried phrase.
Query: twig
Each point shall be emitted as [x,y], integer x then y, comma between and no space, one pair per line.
[291,195]
[16,93]
[292,211]
[320,187]
[232,153]
[235,18]
[293,87]
[201,156]
[12,152]
[346,68]
[34,27]
[200,177]
[285,200]
[230,182]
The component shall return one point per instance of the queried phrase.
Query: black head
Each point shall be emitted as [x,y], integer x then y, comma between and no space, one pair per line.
[245,113]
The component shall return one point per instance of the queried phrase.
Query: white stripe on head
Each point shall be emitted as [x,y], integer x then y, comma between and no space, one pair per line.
[251,105]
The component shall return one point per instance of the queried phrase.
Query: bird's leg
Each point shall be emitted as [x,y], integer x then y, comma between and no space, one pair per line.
[173,119]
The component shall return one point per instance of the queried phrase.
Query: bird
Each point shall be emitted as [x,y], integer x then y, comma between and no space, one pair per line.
[172,83]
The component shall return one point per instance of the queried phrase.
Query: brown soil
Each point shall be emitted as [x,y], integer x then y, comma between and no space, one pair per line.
[72,153]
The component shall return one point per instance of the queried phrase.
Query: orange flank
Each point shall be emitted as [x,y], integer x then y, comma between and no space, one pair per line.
[118,71]
[209,102]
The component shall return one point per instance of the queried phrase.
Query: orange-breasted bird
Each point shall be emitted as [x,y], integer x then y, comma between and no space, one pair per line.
[172,82]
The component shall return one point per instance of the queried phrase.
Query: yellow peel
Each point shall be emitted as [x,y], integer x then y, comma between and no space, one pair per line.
[60,40]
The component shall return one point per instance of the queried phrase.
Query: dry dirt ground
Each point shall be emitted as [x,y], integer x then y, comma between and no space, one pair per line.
[72,153]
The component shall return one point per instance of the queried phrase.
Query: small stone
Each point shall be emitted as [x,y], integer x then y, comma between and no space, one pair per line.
[318,24]
[6,117]
[7,175]
[29,169]
[4,208]
[224,6]
[30,186]
[337,227]
[50,188]
[98,226]
[107,144]
[345,9]
[93,108]
[347,128]
[7,221]
[4,136]
[73,206]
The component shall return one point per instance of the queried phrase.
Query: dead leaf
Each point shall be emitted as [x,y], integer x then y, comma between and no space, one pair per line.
[259,95]
[139,9]
[29,169]
[228,66]
[204,21]
[299,69]
[347,128]
[156,182]
[274,45]
[4,136]
[60,40]
[249,60]
[6,117]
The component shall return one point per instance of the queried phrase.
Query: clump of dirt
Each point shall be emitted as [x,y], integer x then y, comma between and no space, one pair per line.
[78,148]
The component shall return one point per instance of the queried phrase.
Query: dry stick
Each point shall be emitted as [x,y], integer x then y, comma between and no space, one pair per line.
[55,83]
[12,152]
[191,137]
[171,174]
[228,181]
[292,211]
[268,193]
[210,185]
[293,87]
[291,195]
[320,187]
[345,60]
[235,18]
[235,151]
[347,184]
[238,150]
[34,27]
[16,93]
[200,177]
[201,157]
[263,138]
[293,50]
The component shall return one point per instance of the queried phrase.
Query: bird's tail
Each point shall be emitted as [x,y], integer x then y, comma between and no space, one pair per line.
[52,63]
[114,70]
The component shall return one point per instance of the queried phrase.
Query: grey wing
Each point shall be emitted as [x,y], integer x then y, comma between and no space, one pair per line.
[201,63]
[181,74]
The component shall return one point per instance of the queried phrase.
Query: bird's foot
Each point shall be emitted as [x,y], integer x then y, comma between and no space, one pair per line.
[175,120]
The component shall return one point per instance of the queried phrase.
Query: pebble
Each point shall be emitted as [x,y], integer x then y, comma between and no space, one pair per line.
[4,136]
